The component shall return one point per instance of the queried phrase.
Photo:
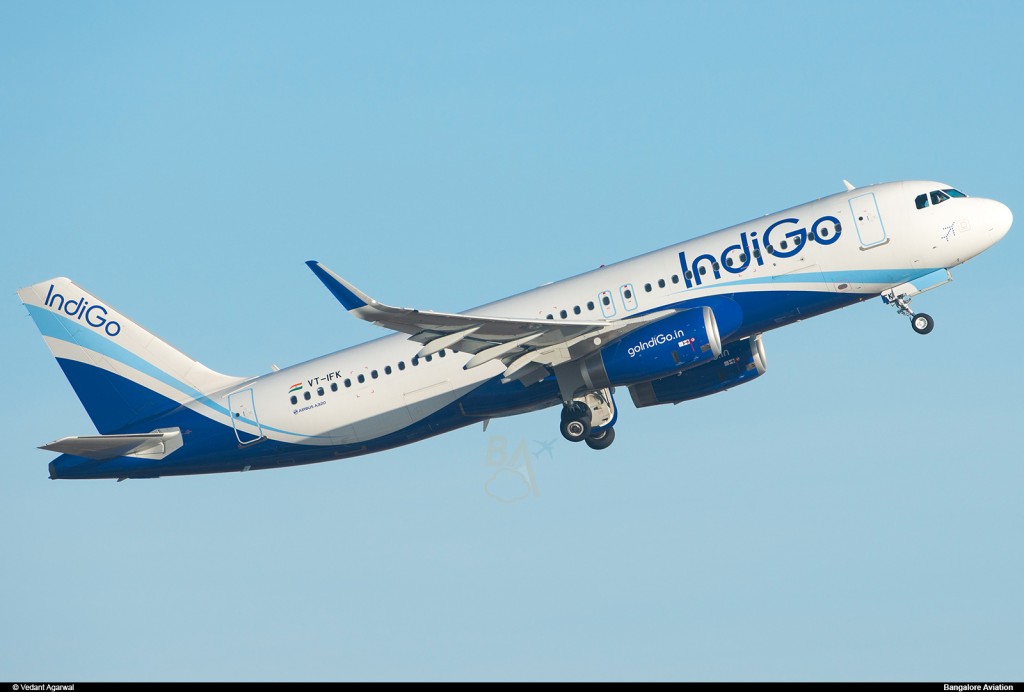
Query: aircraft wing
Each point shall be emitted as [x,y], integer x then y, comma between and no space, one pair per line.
[525,346]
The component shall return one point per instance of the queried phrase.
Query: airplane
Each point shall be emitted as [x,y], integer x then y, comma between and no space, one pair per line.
[669,326]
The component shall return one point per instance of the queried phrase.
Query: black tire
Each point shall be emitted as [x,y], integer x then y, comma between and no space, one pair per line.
[922,323]
[577,410]
[601,439]
[575,430]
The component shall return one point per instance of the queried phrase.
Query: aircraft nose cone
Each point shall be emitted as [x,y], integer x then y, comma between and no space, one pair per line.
[1002,219]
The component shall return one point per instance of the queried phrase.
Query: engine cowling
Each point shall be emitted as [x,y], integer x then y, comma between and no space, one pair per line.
[666,347]
[741,361]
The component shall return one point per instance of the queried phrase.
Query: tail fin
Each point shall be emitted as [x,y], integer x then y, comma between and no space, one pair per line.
[122,373]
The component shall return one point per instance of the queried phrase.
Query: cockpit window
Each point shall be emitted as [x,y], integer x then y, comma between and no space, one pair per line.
[937,197]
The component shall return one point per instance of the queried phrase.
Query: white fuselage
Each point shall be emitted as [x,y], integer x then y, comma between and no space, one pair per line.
[883,241]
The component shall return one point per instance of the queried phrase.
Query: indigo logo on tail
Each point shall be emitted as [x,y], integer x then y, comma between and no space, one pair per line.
[94,315]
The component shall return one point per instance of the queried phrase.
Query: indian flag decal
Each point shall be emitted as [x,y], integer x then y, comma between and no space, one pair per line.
[295,387]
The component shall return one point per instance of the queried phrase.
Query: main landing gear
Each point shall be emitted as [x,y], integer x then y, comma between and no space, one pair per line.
[590,419]
[900,297]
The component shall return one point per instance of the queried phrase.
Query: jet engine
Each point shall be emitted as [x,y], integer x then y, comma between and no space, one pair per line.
[741,361]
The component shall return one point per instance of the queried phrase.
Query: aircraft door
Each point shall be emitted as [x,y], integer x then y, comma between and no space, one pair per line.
[243,416]
[868,220]
[607,304]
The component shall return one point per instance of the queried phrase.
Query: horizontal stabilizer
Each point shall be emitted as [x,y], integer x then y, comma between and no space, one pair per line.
[154,445]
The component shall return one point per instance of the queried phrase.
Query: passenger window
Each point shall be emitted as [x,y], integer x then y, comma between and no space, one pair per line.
[550,317]
[387,369]
[921,201]
[675,278]
[373,374]
[606,300]
[401,365]
[295,399]
[590,305]
[348,382]
[563,314]
[576,310]
[319,391]
[307,396]
[647,287]
[415,361]
[689,275]
[938,197]
[334,386]
[429,358]
[361,378]
[440,354]
[661,283]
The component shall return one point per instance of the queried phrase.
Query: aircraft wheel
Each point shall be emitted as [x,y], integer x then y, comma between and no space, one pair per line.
[922,323]
[577,410]
[575,430]
[601,439]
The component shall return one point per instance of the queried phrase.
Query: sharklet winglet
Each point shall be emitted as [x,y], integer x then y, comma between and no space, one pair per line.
[347,294]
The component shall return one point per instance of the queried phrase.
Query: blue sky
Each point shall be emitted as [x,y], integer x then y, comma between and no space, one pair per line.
[854,514]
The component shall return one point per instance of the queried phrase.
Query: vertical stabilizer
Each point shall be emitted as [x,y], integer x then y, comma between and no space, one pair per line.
[121,372]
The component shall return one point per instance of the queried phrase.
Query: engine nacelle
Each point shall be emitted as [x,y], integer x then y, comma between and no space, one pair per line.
[741,362]
[678,342]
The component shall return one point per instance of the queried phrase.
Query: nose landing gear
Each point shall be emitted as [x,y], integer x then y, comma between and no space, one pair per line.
[920,322]
[900,297]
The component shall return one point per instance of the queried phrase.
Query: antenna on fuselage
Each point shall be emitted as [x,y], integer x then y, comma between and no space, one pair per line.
[849,186]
